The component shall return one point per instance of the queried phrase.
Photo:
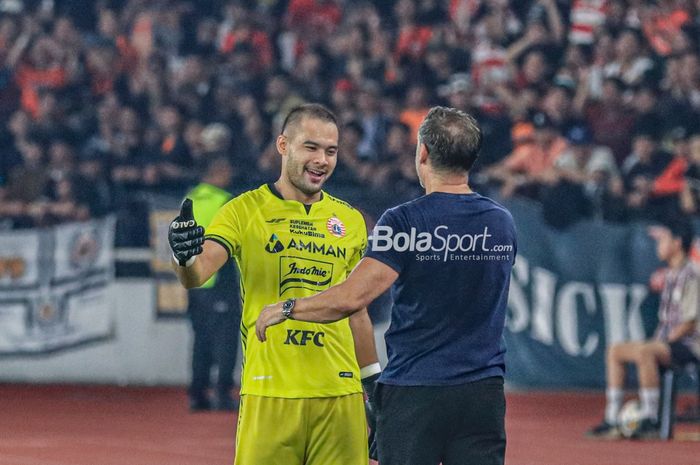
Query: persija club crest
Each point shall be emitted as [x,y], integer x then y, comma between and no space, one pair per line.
[335,227]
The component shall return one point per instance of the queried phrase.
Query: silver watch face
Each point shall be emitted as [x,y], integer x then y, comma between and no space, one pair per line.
[287,307]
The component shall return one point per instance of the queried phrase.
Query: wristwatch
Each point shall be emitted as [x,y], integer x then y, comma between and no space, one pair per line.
[288,307]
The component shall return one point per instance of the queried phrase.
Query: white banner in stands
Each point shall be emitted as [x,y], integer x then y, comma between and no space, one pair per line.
[53,287]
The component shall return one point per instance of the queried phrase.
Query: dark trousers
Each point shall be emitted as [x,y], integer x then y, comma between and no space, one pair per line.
[455,425]
[215,322]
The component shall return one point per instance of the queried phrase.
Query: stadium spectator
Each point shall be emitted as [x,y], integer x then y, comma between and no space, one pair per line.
[630,63]
[415,108]
[585,18]
[641,170]
[646,107]
[93,188]
[690,194]
[373,121]
[133,87]
[26,184]
[675,342]
[558,105]
[495,123]
[412,38]
[585,181]
[399,173]
[170,162]
[670,181]
[662,25]
[530,163]
[610,119]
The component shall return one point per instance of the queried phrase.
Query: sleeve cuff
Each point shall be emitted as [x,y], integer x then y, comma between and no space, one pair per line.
[370,370]
[188,263]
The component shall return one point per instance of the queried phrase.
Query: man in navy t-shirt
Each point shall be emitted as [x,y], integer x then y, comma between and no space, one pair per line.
[448,256]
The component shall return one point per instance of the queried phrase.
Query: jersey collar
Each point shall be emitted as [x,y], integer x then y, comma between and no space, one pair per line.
[276,193]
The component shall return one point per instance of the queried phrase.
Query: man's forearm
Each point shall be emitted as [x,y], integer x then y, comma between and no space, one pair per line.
[203,267]
[189,276]
[681,331]
[367,282]
[331,305]
[196,274]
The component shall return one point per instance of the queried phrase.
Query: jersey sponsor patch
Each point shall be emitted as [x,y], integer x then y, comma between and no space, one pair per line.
[335,227]
[304,273]
[304,228]
[345,374]
[274,245]
[302,337]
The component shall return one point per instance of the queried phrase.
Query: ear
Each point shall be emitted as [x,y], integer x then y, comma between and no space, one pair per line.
[281,144]
[423,154]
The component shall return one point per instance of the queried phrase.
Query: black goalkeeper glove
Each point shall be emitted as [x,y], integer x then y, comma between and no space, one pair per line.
[369,384]
[184,236]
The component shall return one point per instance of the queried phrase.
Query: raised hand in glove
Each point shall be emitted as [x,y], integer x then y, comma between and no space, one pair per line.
[184,236]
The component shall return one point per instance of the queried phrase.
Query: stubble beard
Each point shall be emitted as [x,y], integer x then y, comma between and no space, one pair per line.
[295,173]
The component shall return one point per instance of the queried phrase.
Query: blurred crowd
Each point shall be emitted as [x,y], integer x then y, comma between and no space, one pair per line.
[590,107]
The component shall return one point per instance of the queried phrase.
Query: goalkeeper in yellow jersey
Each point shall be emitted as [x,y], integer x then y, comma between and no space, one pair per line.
[301,392]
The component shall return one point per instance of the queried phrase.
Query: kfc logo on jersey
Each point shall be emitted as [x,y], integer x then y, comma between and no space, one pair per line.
[335,227]
[298,337]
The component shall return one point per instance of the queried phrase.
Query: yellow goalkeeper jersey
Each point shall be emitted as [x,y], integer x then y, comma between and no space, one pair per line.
[286,249]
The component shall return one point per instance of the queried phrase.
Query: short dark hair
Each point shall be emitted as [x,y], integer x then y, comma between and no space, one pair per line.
[681,228]
[311,110]
[452,137]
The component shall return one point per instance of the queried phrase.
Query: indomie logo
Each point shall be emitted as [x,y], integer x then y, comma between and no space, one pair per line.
[306,270]
[304,273]
[299,337]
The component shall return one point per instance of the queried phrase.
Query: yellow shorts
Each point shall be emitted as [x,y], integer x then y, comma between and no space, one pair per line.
[318,431]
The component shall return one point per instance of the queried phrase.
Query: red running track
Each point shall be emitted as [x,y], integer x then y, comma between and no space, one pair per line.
[88,425]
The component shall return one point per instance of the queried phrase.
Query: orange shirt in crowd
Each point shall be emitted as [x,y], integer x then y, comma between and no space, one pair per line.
[128,54]
[462,11]
[662,30]
[312,13]
[258,40]
[413,117]
[30,79]
[168,144]
[672,179]
[522,133]
[533,159]
[412,41]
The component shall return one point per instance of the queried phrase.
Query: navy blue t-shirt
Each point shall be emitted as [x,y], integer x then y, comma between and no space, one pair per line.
[454,254]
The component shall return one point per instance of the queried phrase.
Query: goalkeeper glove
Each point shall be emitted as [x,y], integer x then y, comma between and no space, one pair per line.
[184,236]
[369,384]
